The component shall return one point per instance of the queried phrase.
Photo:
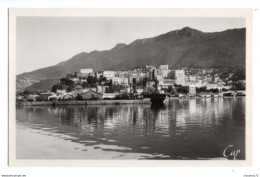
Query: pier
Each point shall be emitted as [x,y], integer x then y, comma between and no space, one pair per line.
[83,102]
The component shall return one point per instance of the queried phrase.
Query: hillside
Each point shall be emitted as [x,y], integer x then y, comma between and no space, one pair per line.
[185,47]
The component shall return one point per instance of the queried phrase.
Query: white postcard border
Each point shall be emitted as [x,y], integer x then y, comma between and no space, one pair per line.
[231,13]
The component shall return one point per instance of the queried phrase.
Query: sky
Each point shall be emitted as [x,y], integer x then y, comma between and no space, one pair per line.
[46,41]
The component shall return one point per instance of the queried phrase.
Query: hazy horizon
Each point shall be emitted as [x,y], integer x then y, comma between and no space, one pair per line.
[47,41]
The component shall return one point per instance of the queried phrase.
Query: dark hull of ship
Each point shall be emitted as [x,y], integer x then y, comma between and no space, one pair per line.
[157,99]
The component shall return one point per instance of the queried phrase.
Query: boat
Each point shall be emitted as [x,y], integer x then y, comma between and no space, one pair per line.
[157,98]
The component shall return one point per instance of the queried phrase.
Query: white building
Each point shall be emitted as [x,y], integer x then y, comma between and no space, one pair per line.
[180,77]
[109,74]
[86,71]
[61,91]
[192,89]
[75,79]
[193,78]
[139,91]
[217,78]
[120,81]
[163,70]
[100,89]
[160,79]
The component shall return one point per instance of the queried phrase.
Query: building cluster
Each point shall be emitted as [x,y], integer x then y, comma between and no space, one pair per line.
[88,84]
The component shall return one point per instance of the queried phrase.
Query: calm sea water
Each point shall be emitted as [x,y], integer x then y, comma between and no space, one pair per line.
[180,129]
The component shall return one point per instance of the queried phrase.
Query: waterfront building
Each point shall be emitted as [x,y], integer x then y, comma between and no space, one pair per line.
[192,89]
[180,77]
[56,96]
[20,97]
[61,91]
[100,88]
[45,96]
[68,97]
[91,95]
[32,97]
[110,95]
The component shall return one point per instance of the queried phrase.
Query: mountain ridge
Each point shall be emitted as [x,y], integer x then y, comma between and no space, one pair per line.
[178,48]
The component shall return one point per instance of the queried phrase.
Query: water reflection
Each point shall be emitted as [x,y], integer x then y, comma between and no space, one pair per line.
[181,129]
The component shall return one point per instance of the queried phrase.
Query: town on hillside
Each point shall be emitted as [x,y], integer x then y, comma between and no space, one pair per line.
[140,81]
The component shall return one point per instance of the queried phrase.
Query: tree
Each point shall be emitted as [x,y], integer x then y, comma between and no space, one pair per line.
[67,82]
[92,80]
[177,85]
[201,89]
[109,83]
[78,97]
[181,90]
[56,87]
[144,82]
[69,89]
[239,86]
[109,90]
[170,89]
[224,90]
[102,79]
[214,90]
[85,85]
[27,92]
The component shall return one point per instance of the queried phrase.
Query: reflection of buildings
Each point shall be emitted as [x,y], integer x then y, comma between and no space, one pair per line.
[178,116]
[193,107]
[180,123]
[162,119]
[201,113]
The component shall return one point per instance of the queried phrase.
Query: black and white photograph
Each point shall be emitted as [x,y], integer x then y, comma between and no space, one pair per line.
[152,88]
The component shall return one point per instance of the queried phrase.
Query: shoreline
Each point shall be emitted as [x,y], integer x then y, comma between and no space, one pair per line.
[83,102]
[106,102]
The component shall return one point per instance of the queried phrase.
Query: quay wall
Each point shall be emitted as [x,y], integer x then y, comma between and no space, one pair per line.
[83,102]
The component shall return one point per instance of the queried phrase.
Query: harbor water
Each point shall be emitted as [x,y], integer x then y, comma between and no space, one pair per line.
[195,128]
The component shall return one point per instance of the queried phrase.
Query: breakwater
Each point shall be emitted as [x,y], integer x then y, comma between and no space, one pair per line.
[83,102]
